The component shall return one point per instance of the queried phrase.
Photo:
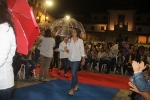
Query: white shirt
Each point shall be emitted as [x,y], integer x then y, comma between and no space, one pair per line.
[63,54]
[7,51]
[114,50]
[76,49]
[47,46]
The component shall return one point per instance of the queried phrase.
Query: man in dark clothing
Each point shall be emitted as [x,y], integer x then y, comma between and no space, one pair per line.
[16,64]
[128,62]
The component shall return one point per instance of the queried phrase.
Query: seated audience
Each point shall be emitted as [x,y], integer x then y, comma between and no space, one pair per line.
[106,58]
[94,60]
[87,57]
[114,51]
[128,62]
[142,56]
[119,62]
[29,63]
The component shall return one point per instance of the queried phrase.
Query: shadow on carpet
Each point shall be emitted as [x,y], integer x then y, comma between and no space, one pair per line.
[58,90]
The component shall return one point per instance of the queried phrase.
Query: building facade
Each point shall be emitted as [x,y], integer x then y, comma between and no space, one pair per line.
[40,11]
[105,27]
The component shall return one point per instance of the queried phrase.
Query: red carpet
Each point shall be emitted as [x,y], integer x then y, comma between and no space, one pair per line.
[107,80]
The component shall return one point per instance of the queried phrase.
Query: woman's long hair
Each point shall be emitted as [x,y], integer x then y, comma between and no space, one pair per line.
[48,33]
[4,14]
[78,33]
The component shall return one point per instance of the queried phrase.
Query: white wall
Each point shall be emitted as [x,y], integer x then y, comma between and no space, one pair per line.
[129,18]
[97,27]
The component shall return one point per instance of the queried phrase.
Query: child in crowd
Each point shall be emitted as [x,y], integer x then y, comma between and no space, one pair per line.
[119,61]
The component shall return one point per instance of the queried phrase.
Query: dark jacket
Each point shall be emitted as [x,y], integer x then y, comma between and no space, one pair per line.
[127,58]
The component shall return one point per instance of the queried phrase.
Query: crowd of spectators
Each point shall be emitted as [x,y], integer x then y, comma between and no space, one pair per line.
[117,56]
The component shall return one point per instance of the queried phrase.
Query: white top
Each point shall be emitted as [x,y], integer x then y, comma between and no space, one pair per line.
[63,54]
[7,51]
[114,50]
[47,46]
[76,49]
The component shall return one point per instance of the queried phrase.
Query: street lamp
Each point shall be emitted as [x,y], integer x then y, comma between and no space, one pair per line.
[67,17]
[50,3]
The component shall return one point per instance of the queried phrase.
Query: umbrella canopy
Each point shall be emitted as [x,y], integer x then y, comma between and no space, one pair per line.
[44,25]
[25,25]
[63,26]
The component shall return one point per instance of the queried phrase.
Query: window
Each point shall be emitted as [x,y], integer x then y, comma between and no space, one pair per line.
[104,18]
[95,18]
[139,29]
[149,39]
[138,18]
[121,18]
[92,27]
[142,39]
[39,4]
[121,24]
[36,1]
[102,28]
[148,19]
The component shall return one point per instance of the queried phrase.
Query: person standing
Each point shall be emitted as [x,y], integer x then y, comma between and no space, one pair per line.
[7,52]
[56,52]
[46,52]
[63,57]
[37,47]
[75,47]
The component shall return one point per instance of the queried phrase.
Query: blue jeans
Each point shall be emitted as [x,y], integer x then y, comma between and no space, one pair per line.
[64,62]
[5,94]
[74,67]
[37,55]
[142,83]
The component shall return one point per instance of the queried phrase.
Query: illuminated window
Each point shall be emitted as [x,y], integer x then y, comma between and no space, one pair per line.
[149,39]
[120,24]
[95,18]
[142,39]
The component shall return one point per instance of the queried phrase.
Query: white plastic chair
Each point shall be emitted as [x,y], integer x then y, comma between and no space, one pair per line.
[97,66]
[103,68]
[23,67]
[121,67]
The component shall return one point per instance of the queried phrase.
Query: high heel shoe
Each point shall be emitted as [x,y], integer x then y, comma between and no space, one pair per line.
[76,87]
[71,92]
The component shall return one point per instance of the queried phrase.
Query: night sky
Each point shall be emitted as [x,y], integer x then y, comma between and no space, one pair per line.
[84,7]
